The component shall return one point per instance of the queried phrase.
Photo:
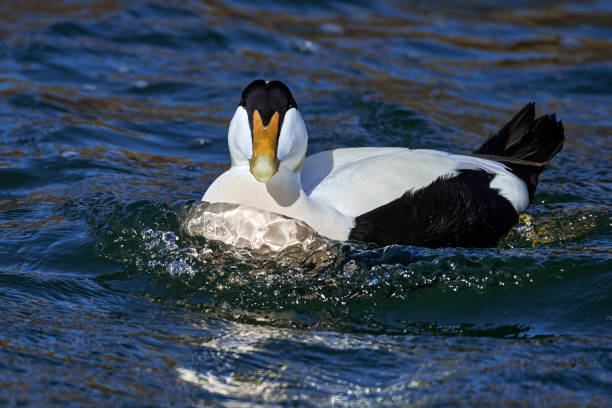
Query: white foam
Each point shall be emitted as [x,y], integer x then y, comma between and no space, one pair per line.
[247,227]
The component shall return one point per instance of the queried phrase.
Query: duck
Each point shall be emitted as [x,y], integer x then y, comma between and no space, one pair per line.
[382,195]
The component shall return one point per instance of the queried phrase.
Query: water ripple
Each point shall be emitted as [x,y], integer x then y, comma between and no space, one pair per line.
[113,122]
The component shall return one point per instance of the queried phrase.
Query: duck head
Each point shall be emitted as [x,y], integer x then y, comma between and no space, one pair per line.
[267,131]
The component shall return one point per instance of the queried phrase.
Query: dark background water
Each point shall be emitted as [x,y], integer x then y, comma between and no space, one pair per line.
[113,120]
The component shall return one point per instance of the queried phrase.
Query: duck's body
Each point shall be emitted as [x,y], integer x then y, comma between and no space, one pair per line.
[382,195]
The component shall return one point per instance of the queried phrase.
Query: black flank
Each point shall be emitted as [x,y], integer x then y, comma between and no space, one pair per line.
[460,210]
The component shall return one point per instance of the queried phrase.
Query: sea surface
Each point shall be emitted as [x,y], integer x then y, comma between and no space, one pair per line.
[113,122]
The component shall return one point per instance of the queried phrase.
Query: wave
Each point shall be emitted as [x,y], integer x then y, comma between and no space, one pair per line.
[344,286]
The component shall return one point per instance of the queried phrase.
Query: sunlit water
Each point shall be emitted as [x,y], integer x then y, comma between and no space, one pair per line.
[113,121]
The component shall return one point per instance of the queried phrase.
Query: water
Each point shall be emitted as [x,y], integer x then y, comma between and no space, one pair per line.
[113,119]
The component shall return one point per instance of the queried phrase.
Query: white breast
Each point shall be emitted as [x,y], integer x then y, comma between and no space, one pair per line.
[281,195]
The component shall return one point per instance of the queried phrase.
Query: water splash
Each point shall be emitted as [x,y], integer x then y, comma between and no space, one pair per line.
[346,286]
[248,227]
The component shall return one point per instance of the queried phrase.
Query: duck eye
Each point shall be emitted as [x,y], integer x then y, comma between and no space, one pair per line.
[291,104]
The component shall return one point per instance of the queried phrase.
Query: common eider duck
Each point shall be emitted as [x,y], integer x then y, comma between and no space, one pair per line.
[382,195]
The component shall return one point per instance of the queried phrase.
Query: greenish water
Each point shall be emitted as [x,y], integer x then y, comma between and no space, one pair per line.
[113,121]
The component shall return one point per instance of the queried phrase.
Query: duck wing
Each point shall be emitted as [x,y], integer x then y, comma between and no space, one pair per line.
[358,180]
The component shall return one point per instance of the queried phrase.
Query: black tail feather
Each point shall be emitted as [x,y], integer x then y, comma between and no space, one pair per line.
[525,144]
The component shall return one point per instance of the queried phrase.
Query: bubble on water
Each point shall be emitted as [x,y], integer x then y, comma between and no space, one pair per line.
[202,142]
[141,84]
[69,154]
[307,46]
[123,69]
[330,28]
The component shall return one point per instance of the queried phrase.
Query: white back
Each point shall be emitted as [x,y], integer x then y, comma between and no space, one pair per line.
[358,180]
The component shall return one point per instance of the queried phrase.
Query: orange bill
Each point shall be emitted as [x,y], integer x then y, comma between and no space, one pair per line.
[264,163]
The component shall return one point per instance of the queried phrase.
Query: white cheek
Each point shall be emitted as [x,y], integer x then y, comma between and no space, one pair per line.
[239,136]
[293,138]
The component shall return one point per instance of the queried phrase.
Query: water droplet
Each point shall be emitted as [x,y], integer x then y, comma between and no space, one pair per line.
[140,84]
[69,154]
[201,142]
[330,28]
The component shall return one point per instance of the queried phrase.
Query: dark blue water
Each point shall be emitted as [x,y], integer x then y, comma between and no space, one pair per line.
[113,120]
